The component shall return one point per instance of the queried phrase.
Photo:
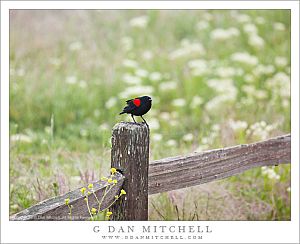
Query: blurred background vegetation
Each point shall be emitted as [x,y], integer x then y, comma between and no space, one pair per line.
[217,78]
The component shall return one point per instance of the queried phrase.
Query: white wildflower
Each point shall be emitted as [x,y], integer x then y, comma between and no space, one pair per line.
[139,22]
[263,70]
[141,73]
[127,43]
[147,55]
[239,72]
[270,173]
[242,18]
[173,123]
[71,79]
[174,114]
[188,137]
[249,78]
[285,102]
[156,137]
[155,76]
[218,102]
[97,113]
[111,102]
[256,41]
[198,67]
[223,86]
[260,20]
[21,138]
[250,29]
[260,130]
[167,86]
[238,125]
[153,124]
[104,127]
[48,130]
[197,63]
[179,102]
[279,26]
[165,116]
[196,102]
[244,58]
[206,140]
[249,89]
[202,25]
[132,80]
[74,46]
[224,34]
[260,94]
[280,83]
[225,72]
[201,148]
[83,132]
[281,61]
[187,48]
[171,143]
[129,63]
[55,61]
[12,71]
[21,72]
[136,91]
[216,127]
[82,84]
[207,16]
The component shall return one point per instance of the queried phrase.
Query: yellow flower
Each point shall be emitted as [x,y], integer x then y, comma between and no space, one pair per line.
[113,170]
[108,214]
[89,193]
[109,180]
[115,181]
[104,178]
[85,199]
[93,211]
[116,197]
[67,201]
[123,192]
[82,190]
[90,186]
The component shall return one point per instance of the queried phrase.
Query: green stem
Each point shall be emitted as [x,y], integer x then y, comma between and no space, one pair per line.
[113,202]
[105,193]
[87,203]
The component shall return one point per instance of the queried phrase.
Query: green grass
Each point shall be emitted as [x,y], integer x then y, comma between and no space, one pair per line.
[67,87]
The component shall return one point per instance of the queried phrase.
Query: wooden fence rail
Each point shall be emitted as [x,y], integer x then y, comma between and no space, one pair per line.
[130,154]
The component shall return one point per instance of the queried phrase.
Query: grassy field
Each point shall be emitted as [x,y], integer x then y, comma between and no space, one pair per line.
[217,78]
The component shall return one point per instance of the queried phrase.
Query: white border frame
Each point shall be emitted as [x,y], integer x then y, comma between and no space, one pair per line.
[79,232]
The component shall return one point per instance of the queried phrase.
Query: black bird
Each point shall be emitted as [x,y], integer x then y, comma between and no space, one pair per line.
[138,107]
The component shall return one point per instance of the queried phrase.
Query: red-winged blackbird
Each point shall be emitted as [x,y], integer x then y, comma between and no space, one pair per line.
[138,107]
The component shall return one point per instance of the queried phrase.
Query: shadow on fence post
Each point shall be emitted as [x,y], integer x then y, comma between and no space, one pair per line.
[130,154]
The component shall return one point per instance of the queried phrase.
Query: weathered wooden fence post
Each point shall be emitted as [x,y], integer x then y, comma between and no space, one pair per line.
[130,154]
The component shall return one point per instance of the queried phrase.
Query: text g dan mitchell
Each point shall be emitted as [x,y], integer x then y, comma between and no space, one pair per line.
[153,229]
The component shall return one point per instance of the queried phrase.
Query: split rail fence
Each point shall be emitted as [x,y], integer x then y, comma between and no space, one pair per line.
[139,178]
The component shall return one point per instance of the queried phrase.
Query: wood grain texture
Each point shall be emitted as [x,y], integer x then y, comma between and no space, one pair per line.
[55,208]
[130,153]
[198,168]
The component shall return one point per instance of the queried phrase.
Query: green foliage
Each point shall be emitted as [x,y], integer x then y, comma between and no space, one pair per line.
[217,78]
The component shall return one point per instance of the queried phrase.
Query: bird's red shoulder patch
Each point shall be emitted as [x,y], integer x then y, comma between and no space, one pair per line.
[137,102]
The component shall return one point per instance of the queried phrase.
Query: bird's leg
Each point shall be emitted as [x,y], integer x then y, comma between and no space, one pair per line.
[144,120]
[133,118]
